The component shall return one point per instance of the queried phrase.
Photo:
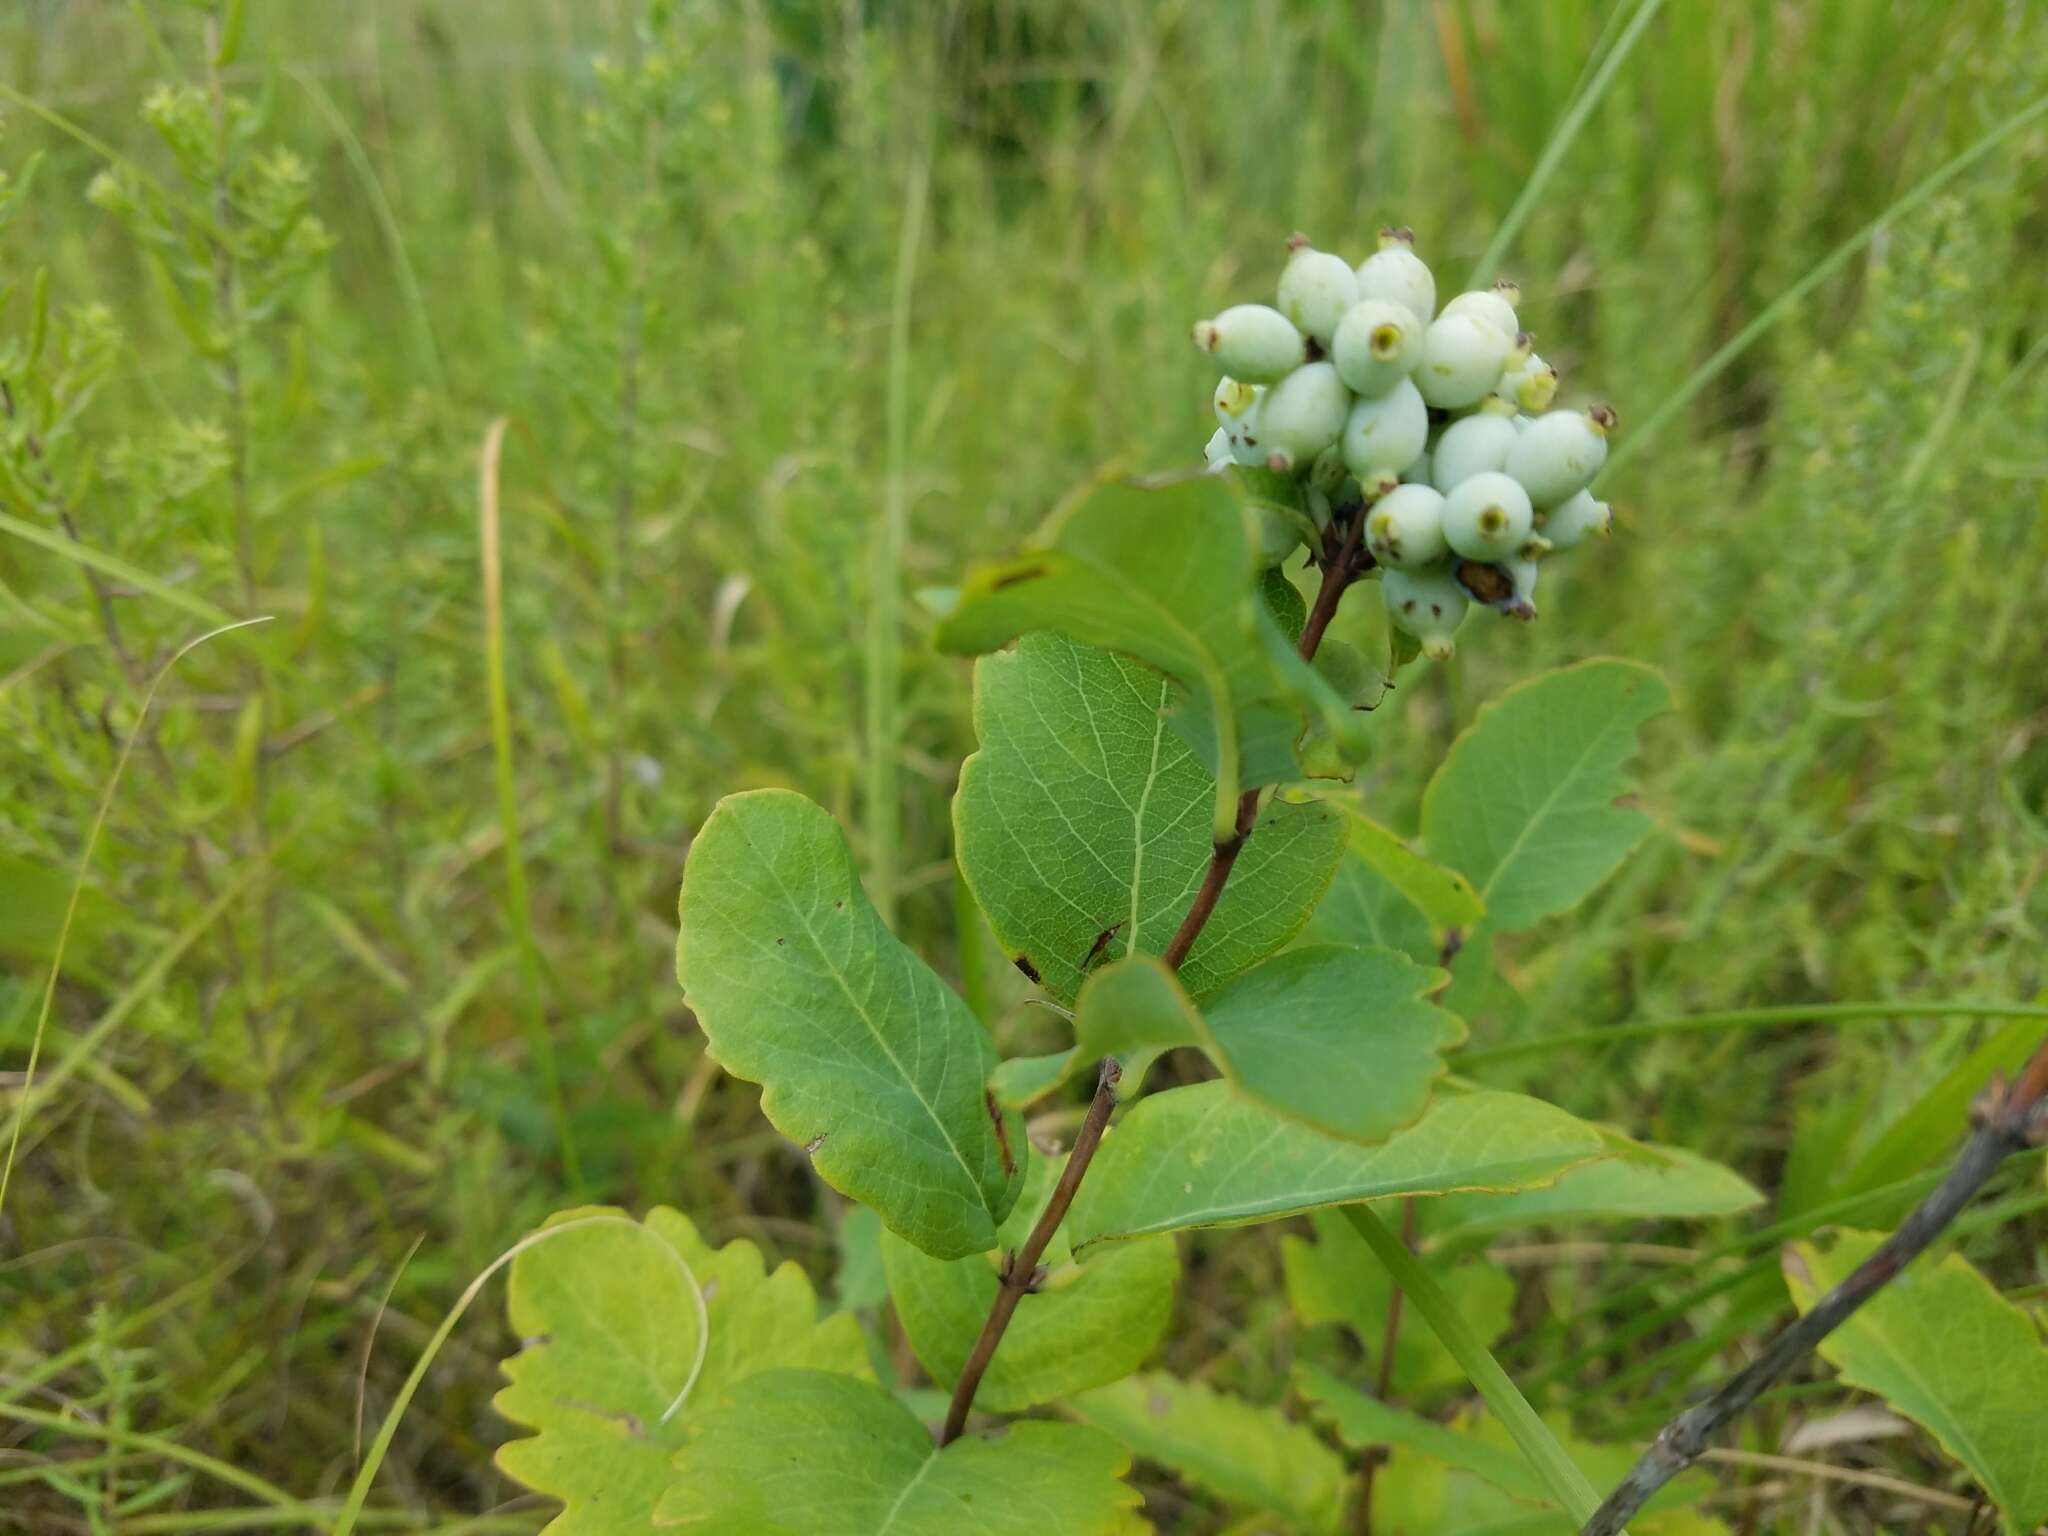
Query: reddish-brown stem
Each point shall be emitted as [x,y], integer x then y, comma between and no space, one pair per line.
[1341,566]
[1020,1270]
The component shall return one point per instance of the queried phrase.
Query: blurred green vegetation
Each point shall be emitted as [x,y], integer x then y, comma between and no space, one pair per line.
[295,1057]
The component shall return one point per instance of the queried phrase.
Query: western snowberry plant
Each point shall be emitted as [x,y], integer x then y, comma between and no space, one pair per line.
[1255,981]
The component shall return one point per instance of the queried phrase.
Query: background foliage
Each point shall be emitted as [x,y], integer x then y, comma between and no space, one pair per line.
[782,295]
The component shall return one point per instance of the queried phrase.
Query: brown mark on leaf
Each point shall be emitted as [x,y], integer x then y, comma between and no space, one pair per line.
[1020,575]
[995,1117]
[629,1421]
[1796,1265]
[811,1146]
[1101,943]
[1023,963]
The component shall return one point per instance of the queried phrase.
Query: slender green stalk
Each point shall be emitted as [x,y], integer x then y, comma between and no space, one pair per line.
[1567,1484]
[1822,270]
[92,839]
[114,566]
[1560,143]
[159,1445]
[1746,1018]
[539,1042]
[885,622]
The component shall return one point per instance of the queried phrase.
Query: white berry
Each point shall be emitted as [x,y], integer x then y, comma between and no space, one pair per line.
[1405,528]
[1532,386]
[1383,434]
[1254,342]
[1397,275]
[1301,416]
[1232,399]
[1571,522]
[1428,605]
[1560,453]
[1316,289]
[1491,305]
[1462,360]
[1377,345]
[1487,517]
[1469,446]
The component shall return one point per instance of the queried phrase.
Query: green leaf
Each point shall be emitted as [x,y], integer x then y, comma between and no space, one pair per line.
[1539,1445]
[1165,575]
[1482,1450]
[1335,1279]
[1362,1422]
[806,1453]
[1241,1452]
[1524,804]
[1205,1156]
[1083,814]
[611,1313]
[1339,1038]
[865,1057]
[859,1283]
[1440,894]
[1095,1321]
[1362,907]
[1946,1350]
[1636,1181]
[1342,1039]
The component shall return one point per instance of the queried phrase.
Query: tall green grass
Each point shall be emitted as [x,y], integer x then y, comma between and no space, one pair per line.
[1834,547]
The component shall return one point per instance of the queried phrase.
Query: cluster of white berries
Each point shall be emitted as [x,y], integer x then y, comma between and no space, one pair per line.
[1435,426]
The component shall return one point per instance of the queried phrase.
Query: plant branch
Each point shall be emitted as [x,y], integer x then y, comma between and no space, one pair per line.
[2006,1121]
[1341,565]
[1020,1271]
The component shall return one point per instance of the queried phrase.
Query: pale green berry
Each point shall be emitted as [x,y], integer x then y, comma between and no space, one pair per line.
[1397,275]
[1301,416]
[1275,534]
[1487,517]
[1532,386]
[1232,399]
[1470,445]
[1560,453]
[1521,347]
[1253,342]
[1247,441]
[1384,433]
[1428,605]
[1491,305]
[1462,359]
[1316,289]
[1418,473]
[1218,454]
[1377,345]
[1571,522]
[1405,528]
